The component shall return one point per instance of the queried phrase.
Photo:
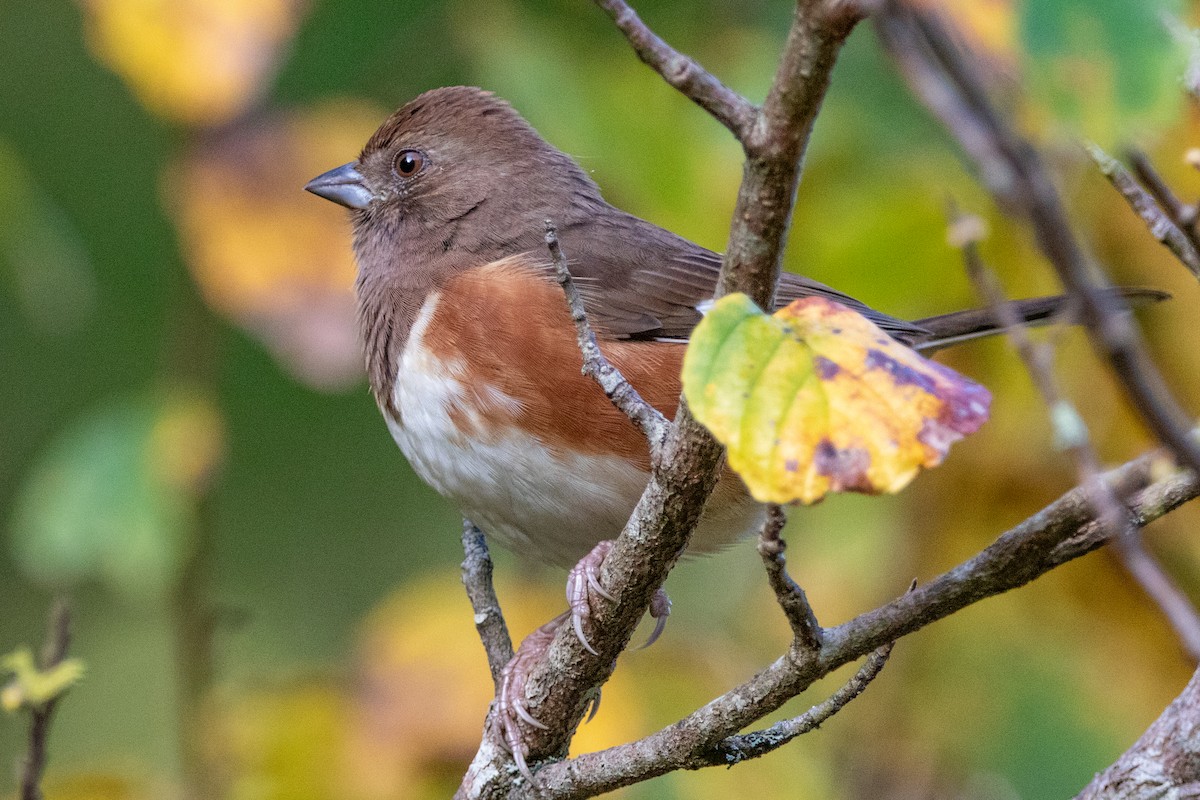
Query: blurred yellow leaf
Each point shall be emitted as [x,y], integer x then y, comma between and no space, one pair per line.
[32,687]
[283,743]
[423,688]
[187,442]
[817,399]
[267,254]
[991,23]
[200,62]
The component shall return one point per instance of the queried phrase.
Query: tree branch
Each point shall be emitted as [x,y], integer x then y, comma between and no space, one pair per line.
[724,104]
[775,145]
[1164,762]
[1163,226]
[559,687]
[489,619]
[745,746]
[791,598]
[1180,213]
[1062,531]
[1071,434]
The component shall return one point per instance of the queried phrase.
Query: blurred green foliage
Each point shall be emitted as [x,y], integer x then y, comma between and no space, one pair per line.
[333,570]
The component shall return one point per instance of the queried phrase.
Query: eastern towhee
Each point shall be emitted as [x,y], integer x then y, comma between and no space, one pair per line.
[470,348]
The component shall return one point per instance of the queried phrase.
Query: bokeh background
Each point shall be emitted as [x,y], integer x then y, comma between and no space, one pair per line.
[267,599]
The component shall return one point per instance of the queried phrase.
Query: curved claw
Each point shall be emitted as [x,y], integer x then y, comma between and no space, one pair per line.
[582,582]
[510,705]
[577,625]
[593,706]
[660,609]
[511,740]
[594,584]
[528,718]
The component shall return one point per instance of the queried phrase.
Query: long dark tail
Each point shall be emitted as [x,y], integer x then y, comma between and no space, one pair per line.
[946,330]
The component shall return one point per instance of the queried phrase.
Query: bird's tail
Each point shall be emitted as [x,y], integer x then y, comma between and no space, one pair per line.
[946,330]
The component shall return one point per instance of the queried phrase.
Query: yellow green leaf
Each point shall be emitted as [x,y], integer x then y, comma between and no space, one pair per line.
[111,498]
[31,687]
[817,399]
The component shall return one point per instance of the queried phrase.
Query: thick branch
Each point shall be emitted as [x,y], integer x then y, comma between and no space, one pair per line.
[489,619]
[944,77]
[775,145]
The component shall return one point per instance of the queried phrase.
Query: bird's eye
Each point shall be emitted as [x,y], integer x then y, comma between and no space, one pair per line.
[409,163]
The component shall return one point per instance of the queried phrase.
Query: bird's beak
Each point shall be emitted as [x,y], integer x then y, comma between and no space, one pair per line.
[343,186]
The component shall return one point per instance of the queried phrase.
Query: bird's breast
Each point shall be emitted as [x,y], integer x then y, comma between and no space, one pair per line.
[474,443]
[492,411]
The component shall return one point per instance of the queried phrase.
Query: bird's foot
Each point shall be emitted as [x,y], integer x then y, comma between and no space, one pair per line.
[510,698]
[583,586]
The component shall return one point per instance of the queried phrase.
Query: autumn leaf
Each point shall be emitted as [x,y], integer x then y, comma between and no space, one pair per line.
[817,399]
[267,255]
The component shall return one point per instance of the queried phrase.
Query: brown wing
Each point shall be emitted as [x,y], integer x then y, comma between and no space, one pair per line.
[639,281]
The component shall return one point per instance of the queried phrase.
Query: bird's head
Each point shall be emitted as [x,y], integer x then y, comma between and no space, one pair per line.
[450,155]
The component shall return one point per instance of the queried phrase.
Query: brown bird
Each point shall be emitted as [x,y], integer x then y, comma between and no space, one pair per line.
[470,349]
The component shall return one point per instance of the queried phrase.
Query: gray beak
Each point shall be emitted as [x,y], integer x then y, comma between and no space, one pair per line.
[343,186]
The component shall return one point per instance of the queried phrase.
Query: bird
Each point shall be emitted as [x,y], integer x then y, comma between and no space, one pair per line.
[471,351]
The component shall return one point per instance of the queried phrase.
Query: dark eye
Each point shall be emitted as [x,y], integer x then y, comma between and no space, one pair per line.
[409,163]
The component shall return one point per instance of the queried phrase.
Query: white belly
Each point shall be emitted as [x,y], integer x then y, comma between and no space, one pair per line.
[537,500]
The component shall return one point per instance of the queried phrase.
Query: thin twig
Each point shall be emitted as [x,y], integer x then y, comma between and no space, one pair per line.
[948,81]
[1064,530]
[1161,224]
[1161,589]
[745,746]
[1071,434]
[1180,213]
[489,619]
[620,392]
[788,593]
[54,650]
[681,72]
